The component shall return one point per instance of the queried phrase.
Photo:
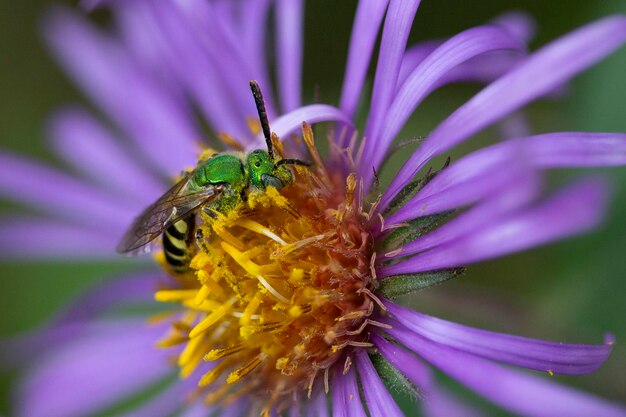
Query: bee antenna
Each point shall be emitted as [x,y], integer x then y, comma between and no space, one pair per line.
[265,124]
[293,162]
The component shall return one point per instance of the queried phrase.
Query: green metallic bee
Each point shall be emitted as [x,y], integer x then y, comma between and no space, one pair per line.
[215,185]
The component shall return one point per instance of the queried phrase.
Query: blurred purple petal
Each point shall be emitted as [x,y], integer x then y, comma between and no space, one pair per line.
[516,125]
[52,191]
[576,149]
[104,70]
[38,239]
[560,358]
[517,23]
[85,143]
[253,34]
[197,67]
[290,37]
[518,392]
[110,362]
[228,33]
[176,397]
[424,78]
[126,290]
[574,210]
[346,398]
[369,15]
[166,402]
[379,400]
[220,41]
[540,73]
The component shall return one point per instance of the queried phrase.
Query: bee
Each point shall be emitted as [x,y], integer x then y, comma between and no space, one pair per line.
[216,185]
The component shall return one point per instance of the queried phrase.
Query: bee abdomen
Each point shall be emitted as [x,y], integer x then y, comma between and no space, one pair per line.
[178,243]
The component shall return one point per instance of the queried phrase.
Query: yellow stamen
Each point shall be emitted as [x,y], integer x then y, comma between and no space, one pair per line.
[251,308]
[230,141]
[252,269]
[244,370]
[213,374]
[258,228]
[174,295]
[216,354]
[212,318]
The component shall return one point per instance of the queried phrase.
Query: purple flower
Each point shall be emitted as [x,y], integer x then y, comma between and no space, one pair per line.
[289,302]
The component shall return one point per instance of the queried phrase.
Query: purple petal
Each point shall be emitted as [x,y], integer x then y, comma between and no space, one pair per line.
[424,78]
[253,34]
[518,24]
[414,56]
[405,362]
[103,70]
[576,149]
[499,201]
[200,71]
[520,393]
[167,402]
[86,144]
[393,43]
[109,362]
[221,42]
[51,191]
[560,358]
[474,176]
[39,239]
[197,409]
[125,290]
[470,179]
[435,401]
[292,122]
[379,400]
[290,22]
[346,397]
[516,125]
[574,210]
[440,403]
[318,406]
[539,74]
[369,15]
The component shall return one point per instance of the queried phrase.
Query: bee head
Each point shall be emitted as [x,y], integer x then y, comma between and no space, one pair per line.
[263,168]
[264,171]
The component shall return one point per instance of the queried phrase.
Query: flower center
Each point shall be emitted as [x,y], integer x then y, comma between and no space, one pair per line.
[281,290]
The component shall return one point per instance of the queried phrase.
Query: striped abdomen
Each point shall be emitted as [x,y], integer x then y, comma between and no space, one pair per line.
[177,244]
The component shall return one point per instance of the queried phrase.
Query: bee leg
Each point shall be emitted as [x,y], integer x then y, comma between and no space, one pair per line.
[209,212]
[200,240]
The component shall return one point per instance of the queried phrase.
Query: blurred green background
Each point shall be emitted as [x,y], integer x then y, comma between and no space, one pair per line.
[570,291]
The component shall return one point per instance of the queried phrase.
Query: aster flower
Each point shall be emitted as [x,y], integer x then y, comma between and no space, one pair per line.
[287,304]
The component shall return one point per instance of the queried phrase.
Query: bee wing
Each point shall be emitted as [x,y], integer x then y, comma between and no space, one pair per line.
[175,204]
